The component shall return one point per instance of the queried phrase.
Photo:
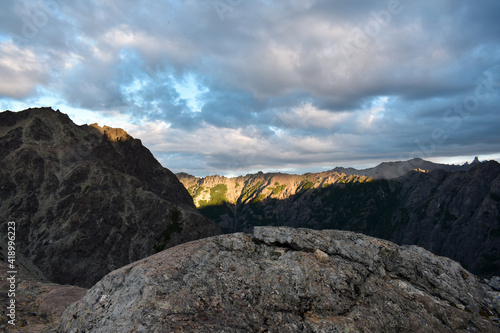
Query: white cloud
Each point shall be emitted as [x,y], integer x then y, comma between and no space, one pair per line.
[21,70]
[308,116]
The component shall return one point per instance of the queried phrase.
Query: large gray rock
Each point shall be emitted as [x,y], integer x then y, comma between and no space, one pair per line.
[287,280]
[87,199]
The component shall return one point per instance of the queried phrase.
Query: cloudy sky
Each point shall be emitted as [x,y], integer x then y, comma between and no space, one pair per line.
[237,86]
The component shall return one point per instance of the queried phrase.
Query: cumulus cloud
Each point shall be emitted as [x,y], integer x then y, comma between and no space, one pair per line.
[273,85]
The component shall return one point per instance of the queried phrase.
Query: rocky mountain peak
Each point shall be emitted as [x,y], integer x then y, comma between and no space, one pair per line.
[88,199]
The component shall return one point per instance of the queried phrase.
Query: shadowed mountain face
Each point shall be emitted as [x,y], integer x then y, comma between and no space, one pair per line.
[451,211]
[87,199]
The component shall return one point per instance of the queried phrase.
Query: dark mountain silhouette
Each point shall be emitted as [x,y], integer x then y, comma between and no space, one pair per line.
[449,210]
[87,199]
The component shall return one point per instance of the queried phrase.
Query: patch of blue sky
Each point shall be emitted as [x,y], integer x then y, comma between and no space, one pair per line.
[4,38]
[190,90]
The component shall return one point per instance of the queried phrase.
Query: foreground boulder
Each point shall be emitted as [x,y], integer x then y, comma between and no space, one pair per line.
[87,200]
[288,280]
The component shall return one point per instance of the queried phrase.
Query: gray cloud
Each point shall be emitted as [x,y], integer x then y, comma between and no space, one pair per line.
[282,84]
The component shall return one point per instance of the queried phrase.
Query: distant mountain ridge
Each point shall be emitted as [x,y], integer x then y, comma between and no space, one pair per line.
[391,170]
[449,210]
[87,199]
[283,185]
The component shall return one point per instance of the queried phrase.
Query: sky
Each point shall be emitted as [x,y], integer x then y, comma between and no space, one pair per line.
[231,87]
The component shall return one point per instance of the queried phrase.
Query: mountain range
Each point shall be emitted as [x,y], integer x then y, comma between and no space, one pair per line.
[448,209]
[94,209]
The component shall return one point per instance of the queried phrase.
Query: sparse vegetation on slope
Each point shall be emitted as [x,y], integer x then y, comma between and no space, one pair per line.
[217,196]
[277,189]
[248,192]
[173,227]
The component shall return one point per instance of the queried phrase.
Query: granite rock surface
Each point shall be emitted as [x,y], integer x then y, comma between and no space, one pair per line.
[280,279]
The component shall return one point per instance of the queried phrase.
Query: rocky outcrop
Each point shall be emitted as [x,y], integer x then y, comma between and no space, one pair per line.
[451,213]
[87,199]
[288,280]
